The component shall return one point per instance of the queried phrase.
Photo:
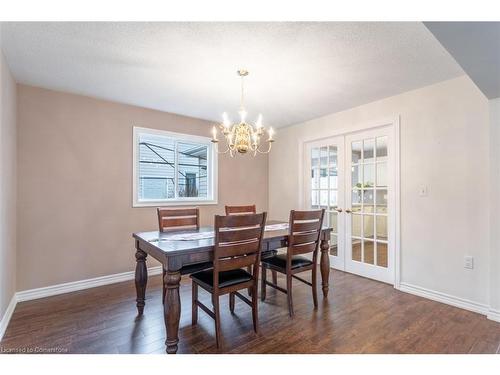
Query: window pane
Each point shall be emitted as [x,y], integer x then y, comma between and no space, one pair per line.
[369,226]
[382,228]
[323,178]
[381,201]
[333,156]
[356,221]
[381,174]
[368,252]
[156,169]
[382,254]
[323,198]
[333,245]
[333,198]
[368,150]
[314,199]
[381,148]
[315,157]
[324,156]
[333,178]
[368,200]
[315,178]
[192,167]
[356,151]
[356,176]
[368,175]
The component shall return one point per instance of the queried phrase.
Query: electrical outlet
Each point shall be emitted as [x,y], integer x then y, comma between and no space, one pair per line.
[468,262]
[422,191]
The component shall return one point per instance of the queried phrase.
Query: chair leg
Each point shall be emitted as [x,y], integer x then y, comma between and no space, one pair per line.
[314,288]
[231,302]
[275,277]
[289,293]
[255,309]
[217,320]
[194,306]
[263,284]
[249,270]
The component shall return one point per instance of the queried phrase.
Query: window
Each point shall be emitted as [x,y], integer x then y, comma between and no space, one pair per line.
[173,169]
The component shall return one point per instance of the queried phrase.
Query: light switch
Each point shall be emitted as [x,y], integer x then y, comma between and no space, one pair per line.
[422,191]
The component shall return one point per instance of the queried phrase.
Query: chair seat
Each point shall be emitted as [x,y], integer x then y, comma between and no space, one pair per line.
[279,261]
[226,278]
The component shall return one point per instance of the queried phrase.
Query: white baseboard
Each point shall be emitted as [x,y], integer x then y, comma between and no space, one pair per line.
[27,295]
[445,298]
[494,315]
[7,315]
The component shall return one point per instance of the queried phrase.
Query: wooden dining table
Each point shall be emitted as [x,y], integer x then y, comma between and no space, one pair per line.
[182,257]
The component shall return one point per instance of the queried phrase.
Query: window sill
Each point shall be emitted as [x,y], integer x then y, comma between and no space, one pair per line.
[175,203]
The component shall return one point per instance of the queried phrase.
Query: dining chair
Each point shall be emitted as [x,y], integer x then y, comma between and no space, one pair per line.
[178,218]
[170,219]
[237,244]
[303,238]
[242,210]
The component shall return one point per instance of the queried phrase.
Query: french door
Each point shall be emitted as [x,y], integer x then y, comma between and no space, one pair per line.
[352,178]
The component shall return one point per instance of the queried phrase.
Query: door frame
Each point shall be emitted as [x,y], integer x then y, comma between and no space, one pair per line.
[394,124]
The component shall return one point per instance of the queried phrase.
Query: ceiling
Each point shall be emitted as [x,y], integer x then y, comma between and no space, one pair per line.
[298,71]
[476,47]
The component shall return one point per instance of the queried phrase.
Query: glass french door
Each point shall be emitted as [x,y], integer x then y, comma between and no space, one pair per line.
[325,189]
[369,212]
[351,177]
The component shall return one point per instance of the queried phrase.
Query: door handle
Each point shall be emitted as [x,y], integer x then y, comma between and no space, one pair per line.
[348,211]
[338,209]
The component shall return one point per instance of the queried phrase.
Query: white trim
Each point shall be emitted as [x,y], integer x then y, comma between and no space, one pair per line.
[27,295]
[7,315]
[445,298]
[212,163]
[493,315]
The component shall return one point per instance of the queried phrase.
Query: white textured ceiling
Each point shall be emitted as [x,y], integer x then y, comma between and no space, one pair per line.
[298,71]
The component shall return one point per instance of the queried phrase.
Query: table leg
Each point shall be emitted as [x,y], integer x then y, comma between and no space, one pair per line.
[325,265]
[172,309]
[141,279]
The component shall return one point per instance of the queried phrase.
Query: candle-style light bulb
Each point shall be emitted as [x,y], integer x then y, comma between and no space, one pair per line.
[214,133]
[225,120]
[258,124]
[271,133]
[243,115]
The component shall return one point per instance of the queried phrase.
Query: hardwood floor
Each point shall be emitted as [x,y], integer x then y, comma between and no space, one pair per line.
[360,316]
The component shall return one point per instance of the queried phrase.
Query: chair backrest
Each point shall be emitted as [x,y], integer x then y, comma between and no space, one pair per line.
[178,218]
[238,241]
[240,210]
[304,233]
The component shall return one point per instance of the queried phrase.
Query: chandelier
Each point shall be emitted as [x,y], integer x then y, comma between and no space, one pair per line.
[242,137]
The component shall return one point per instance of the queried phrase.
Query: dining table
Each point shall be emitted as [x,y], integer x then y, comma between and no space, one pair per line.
[182,252]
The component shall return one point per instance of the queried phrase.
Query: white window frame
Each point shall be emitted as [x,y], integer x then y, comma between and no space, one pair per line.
[212,176]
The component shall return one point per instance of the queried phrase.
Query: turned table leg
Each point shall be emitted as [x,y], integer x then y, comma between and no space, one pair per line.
[172,309]
[325,265]
[141,279]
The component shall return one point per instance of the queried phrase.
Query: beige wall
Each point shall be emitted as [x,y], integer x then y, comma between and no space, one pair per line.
[445,146]
[75,214]
[7,186]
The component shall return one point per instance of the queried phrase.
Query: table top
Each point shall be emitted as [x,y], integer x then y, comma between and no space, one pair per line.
[160,239]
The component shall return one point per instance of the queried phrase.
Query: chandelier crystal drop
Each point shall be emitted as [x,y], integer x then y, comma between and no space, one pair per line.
[242,137]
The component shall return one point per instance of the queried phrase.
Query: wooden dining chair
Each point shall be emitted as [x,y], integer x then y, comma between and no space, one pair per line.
[240,210]
[170,219]
[237,244]
[178,218]
[303,238]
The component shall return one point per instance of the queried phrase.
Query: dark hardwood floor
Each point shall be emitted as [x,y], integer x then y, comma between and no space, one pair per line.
[360,316]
